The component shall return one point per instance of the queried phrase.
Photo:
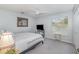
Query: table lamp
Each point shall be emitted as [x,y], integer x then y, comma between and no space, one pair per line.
[6,42]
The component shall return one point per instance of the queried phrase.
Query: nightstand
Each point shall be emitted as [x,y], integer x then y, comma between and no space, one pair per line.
[41,32]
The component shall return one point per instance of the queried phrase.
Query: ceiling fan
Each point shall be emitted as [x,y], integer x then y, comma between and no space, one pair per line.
[35,12]
[39,12]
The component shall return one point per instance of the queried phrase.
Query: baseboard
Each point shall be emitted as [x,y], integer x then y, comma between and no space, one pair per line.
[60,40]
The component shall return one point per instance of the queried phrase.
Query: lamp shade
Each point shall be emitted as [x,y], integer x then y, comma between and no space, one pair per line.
[6,42]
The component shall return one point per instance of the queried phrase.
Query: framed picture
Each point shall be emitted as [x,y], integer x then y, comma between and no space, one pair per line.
[22,22]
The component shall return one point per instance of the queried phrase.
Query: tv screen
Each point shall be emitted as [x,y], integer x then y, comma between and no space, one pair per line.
[40,27]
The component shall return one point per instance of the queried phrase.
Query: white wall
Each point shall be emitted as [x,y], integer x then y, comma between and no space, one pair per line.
[8,20]
[47,21]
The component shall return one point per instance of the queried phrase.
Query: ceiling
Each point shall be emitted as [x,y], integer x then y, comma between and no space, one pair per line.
[37,9]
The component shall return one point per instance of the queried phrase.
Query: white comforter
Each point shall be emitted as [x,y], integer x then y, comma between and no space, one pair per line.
[24,41]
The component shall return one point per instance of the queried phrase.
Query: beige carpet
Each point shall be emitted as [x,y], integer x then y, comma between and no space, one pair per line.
[52,47]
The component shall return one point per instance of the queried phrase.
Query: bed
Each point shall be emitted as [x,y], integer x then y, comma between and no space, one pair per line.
[24,41]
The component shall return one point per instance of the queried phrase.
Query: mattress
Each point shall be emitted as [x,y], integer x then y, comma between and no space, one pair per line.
[24,41]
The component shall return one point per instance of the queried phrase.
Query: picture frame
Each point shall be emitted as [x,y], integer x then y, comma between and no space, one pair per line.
[22,22]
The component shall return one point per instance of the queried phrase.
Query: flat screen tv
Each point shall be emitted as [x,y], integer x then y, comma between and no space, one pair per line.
[40,27]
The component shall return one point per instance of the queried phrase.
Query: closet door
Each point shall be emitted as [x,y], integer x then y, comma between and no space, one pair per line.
[76,29]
